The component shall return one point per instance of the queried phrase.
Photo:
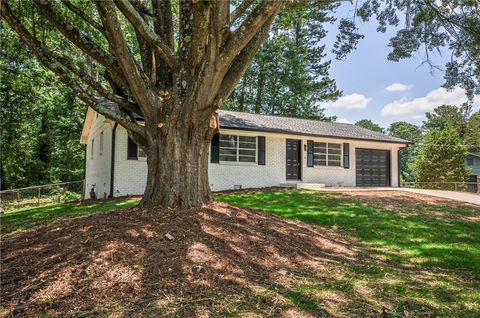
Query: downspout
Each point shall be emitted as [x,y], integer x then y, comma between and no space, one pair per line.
[112,164]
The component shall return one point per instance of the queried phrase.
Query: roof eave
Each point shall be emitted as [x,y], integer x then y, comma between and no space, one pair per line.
[279,131]
[87,125]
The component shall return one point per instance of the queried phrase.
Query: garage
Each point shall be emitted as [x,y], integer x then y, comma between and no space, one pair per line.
[372,167]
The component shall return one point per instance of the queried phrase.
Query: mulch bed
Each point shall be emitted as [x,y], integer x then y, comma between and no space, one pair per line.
[121,263]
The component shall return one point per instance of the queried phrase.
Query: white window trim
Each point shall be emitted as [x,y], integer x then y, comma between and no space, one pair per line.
[326,156]
[238,162]
[141,158]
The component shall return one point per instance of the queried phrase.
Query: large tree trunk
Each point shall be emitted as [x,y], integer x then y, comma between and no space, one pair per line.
[177,158]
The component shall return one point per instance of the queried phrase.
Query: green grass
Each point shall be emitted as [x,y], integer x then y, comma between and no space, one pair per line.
[439,242]
[416,258]
[27,218]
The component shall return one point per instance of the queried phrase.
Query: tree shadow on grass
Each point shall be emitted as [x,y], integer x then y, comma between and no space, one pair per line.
[223,261]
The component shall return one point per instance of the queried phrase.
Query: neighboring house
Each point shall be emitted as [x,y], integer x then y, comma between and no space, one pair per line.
[473,162]
[251,151]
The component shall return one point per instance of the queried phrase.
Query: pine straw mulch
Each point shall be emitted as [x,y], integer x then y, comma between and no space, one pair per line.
[222,260]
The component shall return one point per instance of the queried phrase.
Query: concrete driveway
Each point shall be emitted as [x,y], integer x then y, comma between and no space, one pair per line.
[467,197]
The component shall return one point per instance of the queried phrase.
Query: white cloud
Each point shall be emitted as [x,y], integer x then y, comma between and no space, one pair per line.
[417,107]
[398,87]
[344,121]
[352,101]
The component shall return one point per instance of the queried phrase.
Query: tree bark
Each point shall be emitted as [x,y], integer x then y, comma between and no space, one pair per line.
[177,159]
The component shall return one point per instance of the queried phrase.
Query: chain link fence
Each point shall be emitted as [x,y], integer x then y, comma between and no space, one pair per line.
[450,186]
[40,195]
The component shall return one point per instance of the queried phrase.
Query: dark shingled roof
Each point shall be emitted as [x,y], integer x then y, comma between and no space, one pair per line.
[288,125]
[297,126]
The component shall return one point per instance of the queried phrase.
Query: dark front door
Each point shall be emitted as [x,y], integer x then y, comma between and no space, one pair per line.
[372,167]
[294,159]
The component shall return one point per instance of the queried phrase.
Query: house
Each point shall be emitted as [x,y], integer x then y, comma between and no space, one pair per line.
[251,151]
[473,162]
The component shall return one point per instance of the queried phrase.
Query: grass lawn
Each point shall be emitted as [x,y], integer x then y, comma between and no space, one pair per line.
[27,218]
[426,256]
[359,254]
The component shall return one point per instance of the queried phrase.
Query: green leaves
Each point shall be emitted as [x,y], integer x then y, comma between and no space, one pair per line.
[42,121]
[442,159]
[289,75]
[427,27]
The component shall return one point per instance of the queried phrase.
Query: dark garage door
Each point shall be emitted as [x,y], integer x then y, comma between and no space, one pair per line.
[372,167]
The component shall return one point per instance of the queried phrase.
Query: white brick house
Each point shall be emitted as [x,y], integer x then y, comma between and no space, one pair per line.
[251,151]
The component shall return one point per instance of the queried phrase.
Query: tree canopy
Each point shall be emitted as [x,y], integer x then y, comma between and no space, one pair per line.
[369,124]
[442,159]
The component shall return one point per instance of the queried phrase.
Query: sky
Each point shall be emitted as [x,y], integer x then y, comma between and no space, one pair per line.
[382,90]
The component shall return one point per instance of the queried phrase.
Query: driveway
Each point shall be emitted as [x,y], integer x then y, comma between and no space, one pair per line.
[452,195]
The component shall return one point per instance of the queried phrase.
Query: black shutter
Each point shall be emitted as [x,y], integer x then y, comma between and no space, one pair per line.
[261,150]
[132,153]
[215,149]
[309,153]
[346,156]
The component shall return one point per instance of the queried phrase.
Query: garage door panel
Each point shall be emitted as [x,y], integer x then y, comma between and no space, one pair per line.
[372,167]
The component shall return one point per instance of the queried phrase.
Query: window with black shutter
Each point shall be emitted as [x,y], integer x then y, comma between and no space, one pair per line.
[346,156]
[309,153]
[261,150]
[214,149]
[132,150]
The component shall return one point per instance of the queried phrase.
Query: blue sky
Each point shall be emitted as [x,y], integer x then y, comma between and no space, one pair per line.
[366,73]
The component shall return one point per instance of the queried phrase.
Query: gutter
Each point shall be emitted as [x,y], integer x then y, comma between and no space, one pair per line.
[112,164]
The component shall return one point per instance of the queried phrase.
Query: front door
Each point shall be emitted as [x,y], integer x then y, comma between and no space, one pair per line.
[294,159]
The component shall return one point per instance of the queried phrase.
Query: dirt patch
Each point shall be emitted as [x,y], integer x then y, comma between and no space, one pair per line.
[122,264]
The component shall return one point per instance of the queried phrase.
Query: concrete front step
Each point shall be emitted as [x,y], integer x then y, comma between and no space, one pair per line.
[302,185]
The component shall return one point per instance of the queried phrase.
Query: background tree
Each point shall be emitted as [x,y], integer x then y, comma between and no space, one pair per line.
[40,118]
[446,117]
[442,159]
[413,133]
[288,75]
[367,123]
[472,133]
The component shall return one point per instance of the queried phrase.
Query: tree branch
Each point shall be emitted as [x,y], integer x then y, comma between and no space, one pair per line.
[243,60]
[83,16]
[136,80]
[163,26]
[242,7]
[72,33]
[250,27]
[55,62]
[143,29]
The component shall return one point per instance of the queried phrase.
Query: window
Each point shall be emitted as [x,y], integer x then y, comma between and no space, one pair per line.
[235,148]
[469,161]
[92,149]
[141,153]
[101,143]
[326,154]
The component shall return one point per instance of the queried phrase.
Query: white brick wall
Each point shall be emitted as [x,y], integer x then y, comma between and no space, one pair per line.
[98,167]
[131,175]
